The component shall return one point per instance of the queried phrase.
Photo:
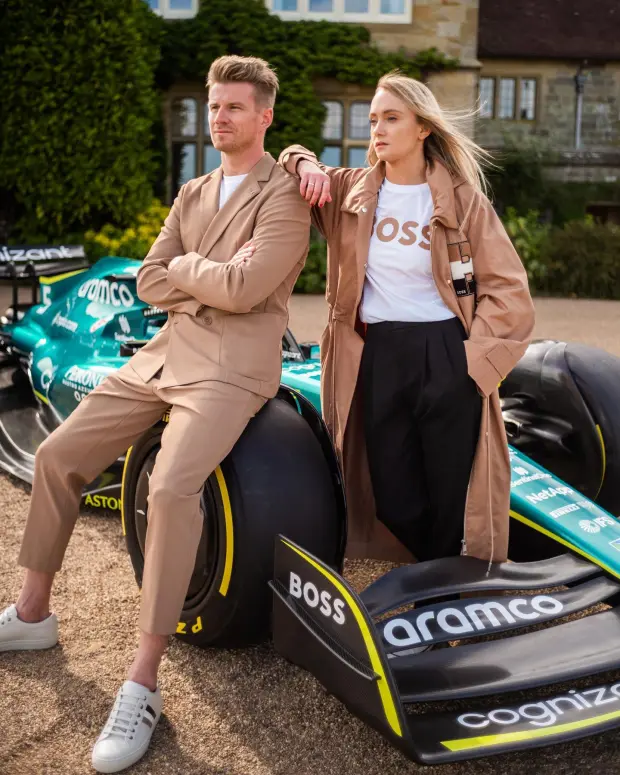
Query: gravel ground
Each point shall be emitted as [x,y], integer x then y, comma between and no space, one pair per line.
[225,713]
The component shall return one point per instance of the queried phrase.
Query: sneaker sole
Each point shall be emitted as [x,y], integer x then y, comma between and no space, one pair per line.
[107,767]
[27,645]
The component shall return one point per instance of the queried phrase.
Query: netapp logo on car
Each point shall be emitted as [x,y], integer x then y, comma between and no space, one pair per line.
[549,492]
[544,713]
[330,606]
[475,617]
[105,292]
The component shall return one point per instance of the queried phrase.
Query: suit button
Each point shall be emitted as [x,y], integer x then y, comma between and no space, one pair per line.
[208,319]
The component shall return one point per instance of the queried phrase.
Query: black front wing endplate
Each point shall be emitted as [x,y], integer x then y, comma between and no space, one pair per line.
[371,651]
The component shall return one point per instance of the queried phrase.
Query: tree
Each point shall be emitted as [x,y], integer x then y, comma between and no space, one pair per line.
[78,103]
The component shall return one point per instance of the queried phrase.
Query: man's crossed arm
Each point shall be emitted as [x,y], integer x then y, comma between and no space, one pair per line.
[280,242]
[152,280]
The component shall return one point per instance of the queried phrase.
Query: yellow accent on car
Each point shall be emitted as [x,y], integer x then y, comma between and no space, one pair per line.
[123,491]
[48,280]
[557,538]
[230,537]
[389,706]
[41,397]
[485,741]
[604,454]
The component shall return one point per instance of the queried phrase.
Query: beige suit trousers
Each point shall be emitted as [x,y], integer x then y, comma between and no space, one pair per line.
[206,420]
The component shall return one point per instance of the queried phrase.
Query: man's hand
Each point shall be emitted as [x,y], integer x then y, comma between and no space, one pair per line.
[315,183]
[244,253]
[174,261]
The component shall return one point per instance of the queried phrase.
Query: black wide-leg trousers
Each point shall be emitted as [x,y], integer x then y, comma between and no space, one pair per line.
[422,420]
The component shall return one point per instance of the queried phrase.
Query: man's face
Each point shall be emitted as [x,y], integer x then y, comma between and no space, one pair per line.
[236,122]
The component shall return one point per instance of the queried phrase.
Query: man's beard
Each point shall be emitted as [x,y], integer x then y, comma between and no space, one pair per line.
[231,145]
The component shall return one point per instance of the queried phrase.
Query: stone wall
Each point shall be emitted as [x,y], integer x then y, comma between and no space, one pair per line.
[451,26]
[554,125]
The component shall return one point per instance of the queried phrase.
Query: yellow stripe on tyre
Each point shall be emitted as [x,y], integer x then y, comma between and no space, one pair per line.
[123,491]
[230,537]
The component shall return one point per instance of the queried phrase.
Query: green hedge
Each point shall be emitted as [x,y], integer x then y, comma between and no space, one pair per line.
[519,182]
[78,103]
[580,259]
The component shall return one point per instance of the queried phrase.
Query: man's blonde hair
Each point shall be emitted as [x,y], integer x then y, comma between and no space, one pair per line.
[235,69]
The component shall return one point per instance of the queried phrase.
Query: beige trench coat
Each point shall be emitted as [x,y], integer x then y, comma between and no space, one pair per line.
[499,326]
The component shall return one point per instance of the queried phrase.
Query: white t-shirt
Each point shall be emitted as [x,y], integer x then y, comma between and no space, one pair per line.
[228,185]
[399,281]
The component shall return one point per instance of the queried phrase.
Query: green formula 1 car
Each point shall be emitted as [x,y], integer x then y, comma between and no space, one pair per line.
[560,405]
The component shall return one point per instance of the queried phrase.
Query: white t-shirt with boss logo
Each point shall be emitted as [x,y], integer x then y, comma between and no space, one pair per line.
[399,283]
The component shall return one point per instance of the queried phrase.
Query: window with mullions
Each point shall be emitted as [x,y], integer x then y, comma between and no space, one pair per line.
[393,6]
[332,125]
[487,97]
[212,158]
[184,132]
[333,130]
[359,123]
[357,157]
[356,11]
[174,9]
[507,94]
[341,149]
[516,98]
[527,102]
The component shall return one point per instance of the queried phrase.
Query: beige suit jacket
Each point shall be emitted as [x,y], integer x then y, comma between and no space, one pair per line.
[225,321]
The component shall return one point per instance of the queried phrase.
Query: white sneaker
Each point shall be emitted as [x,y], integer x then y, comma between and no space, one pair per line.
[16,635]
[127,733]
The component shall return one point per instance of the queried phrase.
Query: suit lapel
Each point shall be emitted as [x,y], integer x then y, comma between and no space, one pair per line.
[210,197]
[220,219]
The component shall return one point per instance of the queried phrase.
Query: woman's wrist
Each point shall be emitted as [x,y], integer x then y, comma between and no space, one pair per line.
[311,166]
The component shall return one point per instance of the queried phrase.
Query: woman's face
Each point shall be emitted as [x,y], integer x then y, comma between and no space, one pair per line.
[394,129]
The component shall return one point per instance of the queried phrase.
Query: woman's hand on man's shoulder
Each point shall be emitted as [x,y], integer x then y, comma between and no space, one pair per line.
[314,183]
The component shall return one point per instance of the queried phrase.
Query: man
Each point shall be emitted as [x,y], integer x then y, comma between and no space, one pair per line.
[224,266]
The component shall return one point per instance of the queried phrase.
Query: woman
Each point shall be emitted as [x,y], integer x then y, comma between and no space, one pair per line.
[429,309]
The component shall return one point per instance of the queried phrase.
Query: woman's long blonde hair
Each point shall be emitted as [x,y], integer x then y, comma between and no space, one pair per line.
[447,142]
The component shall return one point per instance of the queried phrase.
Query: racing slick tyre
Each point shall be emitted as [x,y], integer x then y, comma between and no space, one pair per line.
[279,478]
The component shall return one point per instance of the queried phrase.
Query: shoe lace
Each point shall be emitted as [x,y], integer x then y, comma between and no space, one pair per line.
[125,715]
